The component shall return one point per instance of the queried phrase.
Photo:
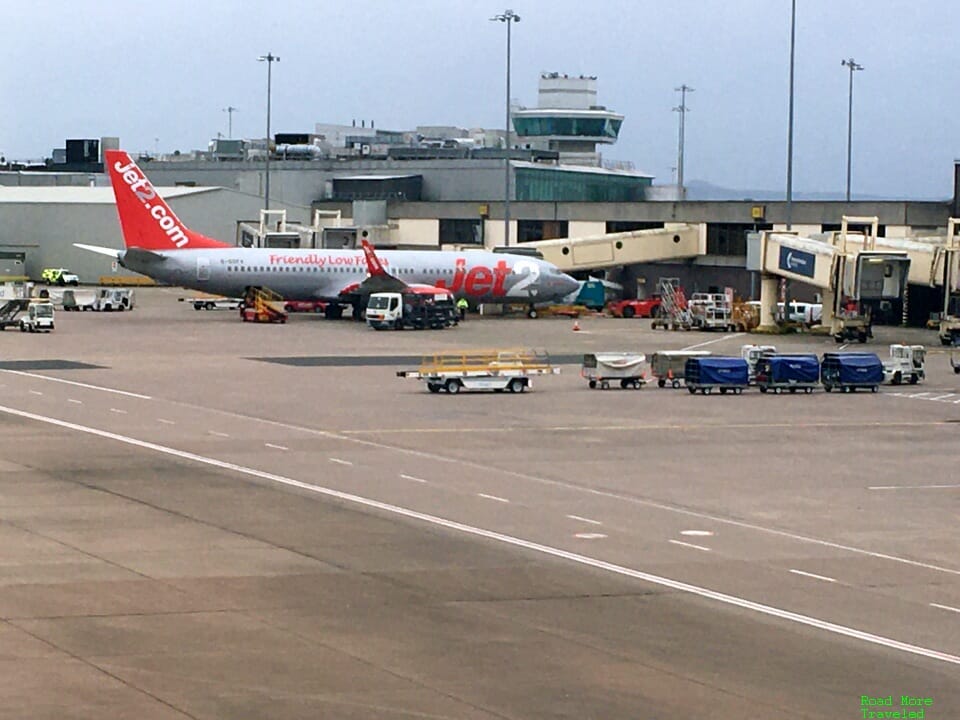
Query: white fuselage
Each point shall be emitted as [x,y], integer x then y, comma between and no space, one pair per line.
[324,274]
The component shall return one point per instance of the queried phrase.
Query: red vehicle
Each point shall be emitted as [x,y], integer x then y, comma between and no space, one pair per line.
[646,308]
[304,306]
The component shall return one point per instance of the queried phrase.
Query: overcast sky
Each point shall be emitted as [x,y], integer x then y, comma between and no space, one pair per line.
[159,74]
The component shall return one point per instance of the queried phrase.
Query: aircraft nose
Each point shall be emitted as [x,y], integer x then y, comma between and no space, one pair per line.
[568,284]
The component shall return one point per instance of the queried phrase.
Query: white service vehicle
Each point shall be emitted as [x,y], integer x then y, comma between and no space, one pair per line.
[496,370]
[38,317]
[906,364]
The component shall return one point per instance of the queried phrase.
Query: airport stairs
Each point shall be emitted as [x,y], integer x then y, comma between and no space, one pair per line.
[264,305]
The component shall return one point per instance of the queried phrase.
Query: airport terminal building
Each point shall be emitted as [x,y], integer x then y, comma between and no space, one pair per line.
[436,187]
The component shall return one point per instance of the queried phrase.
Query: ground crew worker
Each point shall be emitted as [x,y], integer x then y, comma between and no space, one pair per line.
[462,306]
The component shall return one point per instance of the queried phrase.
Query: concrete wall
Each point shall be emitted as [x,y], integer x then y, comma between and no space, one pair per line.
[47,231]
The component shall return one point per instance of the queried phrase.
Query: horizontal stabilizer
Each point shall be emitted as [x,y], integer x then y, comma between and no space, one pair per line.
[109,252]
[144,256]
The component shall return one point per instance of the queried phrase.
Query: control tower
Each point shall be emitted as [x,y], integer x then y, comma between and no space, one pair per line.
[567,119]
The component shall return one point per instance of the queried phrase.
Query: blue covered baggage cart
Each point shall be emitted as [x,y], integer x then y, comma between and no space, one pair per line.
[724,373]
[849,371]
[777,373]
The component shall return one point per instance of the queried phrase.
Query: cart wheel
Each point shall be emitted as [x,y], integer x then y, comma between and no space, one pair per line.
[875,388]
[763,389]
[515,385]
[637,385]
[707,391]
[676,384]
[452,386]
[692,390]
[663,383]
[828,388]
[433,387]
[604,385]
[723,391]
[592,384]
[956,370]
[738,391]
[777,391]
[624,384]
[914,379]
[808,391]
[897,378]
[846,389]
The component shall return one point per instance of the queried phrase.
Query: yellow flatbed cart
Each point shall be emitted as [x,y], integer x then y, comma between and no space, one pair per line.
[497,370]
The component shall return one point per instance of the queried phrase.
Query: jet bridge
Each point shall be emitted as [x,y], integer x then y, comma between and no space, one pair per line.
[673,242]
[848,270]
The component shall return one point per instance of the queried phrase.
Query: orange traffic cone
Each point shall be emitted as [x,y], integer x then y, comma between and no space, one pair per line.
[669,374]
[576,325]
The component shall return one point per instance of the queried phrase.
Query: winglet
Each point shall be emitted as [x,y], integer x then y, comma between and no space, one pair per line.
[374,267]
[145,218]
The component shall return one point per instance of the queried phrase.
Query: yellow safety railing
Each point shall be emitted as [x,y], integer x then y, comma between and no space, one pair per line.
[473,360]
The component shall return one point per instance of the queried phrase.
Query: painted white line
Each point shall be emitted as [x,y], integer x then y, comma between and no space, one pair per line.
[711,342]
[507,540]
[945,607]
[75,402]
[492,497]
[423,454]
[698,533]
[586,520]
[340,462]
[166,422]
[911,487]
[811,575]
[276,447]
[118,411]
[956,402]
[690,545]
[589,536]
[36,392]
[941,397]
[919,395]
[79,384]
[412,478]
[218,434]
[844,346]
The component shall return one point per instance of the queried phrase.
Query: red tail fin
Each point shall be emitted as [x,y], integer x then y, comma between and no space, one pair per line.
[373,262]
[146,220]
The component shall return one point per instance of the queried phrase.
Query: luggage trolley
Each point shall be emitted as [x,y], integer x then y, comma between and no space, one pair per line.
[600,369]
[776,373]
[669,366]
[849,371]
[724,373]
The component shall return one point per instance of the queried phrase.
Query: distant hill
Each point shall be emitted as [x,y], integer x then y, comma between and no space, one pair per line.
[702,190]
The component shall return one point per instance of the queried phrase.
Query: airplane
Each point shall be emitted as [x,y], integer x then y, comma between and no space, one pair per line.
[160,246]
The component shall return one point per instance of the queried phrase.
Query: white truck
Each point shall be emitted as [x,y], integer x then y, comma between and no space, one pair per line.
[416,307]
[496,370]
[906,364]
[38,317]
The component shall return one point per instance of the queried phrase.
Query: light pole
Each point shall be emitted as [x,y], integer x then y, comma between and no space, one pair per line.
[793,36]
[851,63]
[230,110]
[683,90]
[509,17]
[270,59]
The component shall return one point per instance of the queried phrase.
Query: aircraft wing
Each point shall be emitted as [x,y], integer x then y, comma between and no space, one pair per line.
[377,280]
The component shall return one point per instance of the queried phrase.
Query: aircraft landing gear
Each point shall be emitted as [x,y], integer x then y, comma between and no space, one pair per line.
[333,311]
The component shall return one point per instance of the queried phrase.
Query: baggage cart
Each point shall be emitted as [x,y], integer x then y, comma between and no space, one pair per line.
[849,371]
[777,373]
[955,359]
[723,373]
[669,366]
[602,369]
[496,370]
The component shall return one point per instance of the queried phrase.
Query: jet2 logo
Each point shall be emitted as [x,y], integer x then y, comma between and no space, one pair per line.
[145,193]
[797,261]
